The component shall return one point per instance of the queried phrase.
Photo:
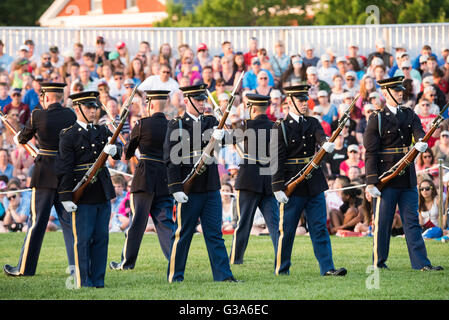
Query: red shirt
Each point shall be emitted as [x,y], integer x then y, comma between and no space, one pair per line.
[426,122]
[327,128]
[248,57]
[345,167]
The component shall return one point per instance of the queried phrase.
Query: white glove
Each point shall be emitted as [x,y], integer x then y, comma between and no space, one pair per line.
[16,138]
[373,191]
[69,206]
[180,197]
[281,197]
[110,149]
[329,146]
[218,134]
[421,146]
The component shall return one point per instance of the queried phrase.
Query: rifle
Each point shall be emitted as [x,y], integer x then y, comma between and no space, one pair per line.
[218,110]
[306,172]
[409,158]
[196,170]
[114,126]
[32,150]
[91,174]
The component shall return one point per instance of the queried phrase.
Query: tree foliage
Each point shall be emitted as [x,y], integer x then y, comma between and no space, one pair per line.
[22,12]
[212,13]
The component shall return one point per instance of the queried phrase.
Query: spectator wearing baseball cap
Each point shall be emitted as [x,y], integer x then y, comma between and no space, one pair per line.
[351,83]
[309,58]
[202,56]
[424,111]
[361,125]
[441,150]
[316,85]
[354,160]
[381,53]
[101,55]
[31,97]
[122,50]
[274,110]
[249,80]
[317,113]
[326,72]
[56,61]
[329,112]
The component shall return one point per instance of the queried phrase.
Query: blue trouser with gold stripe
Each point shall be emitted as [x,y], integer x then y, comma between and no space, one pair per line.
[384,210]
[42,200]
[90,225]
[247,204]
[206,207]
[289,215]
[161,209]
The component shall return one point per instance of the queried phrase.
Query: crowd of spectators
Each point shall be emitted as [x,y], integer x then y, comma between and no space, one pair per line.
[334,82]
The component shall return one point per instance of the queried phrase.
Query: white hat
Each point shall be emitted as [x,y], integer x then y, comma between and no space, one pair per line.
[312,70]
[444,133]
[343,107]
[353,147]
[369,106]
[380,43]
[223,96]
[429,88]
[322,93]
[318,109]
[348,94]
[423,58]
[406,64]
[377,61]
[400,46]
[341,59]
[325,57]
[353,44]
[428,79]
[351,74]
[275,93]
[404,53]
[374,94]
[24,47]
[446,177]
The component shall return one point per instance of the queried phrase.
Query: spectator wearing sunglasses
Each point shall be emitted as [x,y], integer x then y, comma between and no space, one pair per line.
[428,210]
[249,80]
[117,88]
[17,212]
[16,104]
[426,160]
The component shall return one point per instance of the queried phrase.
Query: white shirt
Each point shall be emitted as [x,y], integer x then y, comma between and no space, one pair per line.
[155,83]
[193,117]
[394,110]
[327,74]
[295,116]
[83,124]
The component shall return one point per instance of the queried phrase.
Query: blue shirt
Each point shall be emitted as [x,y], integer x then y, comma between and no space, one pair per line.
[8,171]
[25,202]
[5,62]
[31,98]
[416,63]
[280,64]
[250,79]
[4,102]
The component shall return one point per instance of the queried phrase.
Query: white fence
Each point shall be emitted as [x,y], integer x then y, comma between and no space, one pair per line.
[414,36]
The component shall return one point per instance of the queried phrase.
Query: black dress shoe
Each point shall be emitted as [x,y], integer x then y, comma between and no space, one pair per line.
[383,266]
[117,266]
[231,279]
[11,271]
[337,273]
[432,268]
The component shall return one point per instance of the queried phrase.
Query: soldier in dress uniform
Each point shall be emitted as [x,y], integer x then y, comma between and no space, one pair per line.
[80,145]
[253,185]
[45,124]
[387,139]
[204,201]
[298,137]
[149,191]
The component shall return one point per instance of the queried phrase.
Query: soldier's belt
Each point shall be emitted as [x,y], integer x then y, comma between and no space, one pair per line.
[394,150]
[298,160]
[260,160]
[145,157]
[46,152]
[84,166]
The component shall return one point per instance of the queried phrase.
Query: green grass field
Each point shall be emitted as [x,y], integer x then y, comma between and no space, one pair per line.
[148,279]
